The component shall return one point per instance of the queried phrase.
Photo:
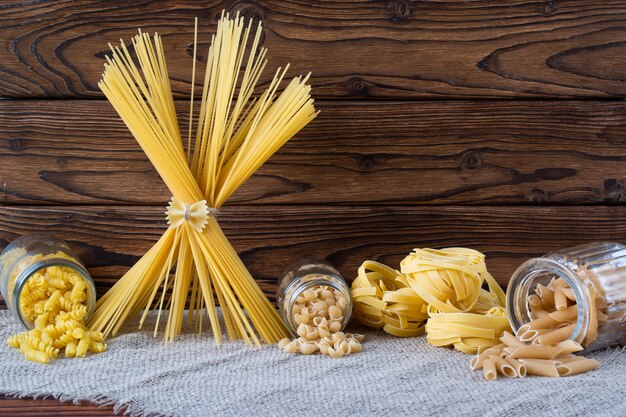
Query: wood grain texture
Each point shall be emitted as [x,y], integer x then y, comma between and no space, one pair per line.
[10,407]
[109,239]
[456,152]
[390,48]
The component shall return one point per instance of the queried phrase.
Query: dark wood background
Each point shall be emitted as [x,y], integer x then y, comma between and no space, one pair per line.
[496,125]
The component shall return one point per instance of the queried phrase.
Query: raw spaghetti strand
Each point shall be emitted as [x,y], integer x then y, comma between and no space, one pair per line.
[438,291]
[234,136]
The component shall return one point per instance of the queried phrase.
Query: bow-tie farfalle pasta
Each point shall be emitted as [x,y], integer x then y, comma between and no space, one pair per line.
[193,265]
[54,300]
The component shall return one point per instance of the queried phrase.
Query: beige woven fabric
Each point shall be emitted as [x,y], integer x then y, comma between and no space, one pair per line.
[393,376]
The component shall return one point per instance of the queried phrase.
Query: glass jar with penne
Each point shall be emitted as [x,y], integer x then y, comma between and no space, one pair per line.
[574,294]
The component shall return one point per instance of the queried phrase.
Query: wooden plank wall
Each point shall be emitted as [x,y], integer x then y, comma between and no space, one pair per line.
[491,124]
[494,124]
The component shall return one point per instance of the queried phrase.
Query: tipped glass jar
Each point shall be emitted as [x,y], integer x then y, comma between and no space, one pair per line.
[318,287]
[28,257]
[596,274]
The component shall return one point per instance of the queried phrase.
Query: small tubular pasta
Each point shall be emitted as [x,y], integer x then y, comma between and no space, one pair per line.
[577,367]
[540,367]
[566,314]
[503,366]
[489,369]
[556,336]
[510,340]
[543,346]
[568,346]
[546,295]
[520,368]
[535,352]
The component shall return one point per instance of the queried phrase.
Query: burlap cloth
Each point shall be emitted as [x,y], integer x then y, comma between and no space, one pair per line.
[392,377]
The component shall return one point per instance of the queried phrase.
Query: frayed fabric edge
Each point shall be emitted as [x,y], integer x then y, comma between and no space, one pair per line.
[119,407]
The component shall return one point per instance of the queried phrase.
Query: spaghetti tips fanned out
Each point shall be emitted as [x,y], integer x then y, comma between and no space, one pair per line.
[438,291]
[234,136]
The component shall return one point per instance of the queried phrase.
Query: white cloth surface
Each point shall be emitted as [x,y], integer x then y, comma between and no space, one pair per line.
[392,376]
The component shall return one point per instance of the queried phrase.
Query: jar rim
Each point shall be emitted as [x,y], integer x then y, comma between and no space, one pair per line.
[30,270]
[520,284]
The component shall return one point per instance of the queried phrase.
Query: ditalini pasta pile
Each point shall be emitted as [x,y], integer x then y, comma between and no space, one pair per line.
[318,312]
[542,346]
[438,291]
[54,300]
[233,137]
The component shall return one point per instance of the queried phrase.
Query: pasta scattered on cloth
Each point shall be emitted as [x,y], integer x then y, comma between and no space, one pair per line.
[438,291]
[392,376]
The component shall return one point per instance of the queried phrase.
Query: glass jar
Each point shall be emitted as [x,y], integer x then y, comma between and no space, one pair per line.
[600,266]
[29,254]
[307,274]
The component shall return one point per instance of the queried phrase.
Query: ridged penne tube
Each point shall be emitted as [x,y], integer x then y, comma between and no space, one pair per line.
[489,370]
[566,314]
[540,367]
[535,352]
[569,293]
[568,346]
[478,360]
[520,368]
[534,302]
[510,340]
[546,295]
[540,323]
[560,300]
[577,367]
[503,366]
[556,336]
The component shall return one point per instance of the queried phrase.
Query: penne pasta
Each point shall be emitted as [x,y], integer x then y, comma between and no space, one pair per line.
[520,368]
[540,367]
[568,346]
[568,314]
[546,295]
[503,366]
[545,322]
[510,340]
[560,300]
[569,293]
[577,367]
[556,336]
[489,370]
[535,352]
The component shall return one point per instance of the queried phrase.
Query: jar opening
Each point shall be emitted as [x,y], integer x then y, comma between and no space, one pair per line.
[297,287]
[541,271]
[29,271]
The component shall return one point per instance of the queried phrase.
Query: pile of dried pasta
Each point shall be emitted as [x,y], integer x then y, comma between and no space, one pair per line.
[438,291]
[543,346]
[319,314]
[54,299]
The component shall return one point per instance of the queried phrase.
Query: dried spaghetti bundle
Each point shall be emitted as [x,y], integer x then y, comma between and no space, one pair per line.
[234,136]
